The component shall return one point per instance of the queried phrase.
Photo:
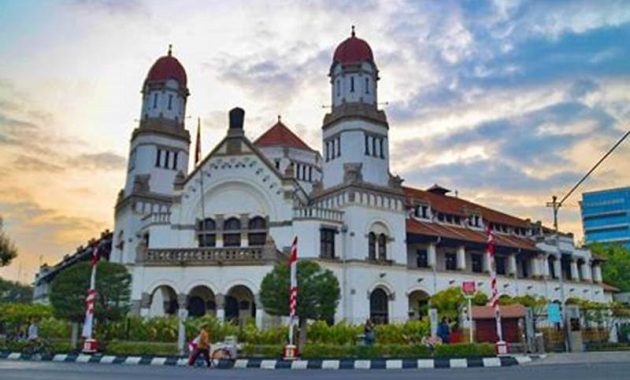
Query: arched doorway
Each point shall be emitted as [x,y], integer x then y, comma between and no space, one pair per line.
[201,301]
[418,304]
[163,301]
[379,306]
[240,305]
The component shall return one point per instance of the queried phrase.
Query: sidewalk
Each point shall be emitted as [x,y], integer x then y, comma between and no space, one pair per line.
[584,357]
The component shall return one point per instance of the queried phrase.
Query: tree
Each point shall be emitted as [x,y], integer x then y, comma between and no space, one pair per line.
[449,301]
[616,268]
[8,252]
[318,293]
[69,289]
[14,292]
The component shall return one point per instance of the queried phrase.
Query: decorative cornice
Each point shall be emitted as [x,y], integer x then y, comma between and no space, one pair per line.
[362,111]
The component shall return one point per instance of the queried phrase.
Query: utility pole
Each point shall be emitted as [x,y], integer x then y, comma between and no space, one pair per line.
[555,205]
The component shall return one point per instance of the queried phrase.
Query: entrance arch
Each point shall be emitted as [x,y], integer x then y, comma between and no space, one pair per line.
[379,306]
[201,301]
[163,301]
[418,304]
[240,305]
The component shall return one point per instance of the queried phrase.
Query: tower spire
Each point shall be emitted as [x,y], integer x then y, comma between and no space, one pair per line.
[352,33]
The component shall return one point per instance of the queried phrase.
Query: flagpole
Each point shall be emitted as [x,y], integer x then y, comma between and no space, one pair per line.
[494,300]
[88,325]
[290,350]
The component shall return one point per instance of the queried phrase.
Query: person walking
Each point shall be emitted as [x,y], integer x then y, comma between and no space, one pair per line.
[368,332]
[203,348]
[444,330]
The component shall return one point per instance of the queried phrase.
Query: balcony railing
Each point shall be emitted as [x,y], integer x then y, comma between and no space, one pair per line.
[209,256]
[318,213]
[156,218]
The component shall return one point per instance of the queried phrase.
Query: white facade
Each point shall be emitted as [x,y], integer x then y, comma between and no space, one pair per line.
[205,239]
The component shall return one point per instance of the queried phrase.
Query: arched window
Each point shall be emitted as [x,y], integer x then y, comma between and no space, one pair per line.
[382,247]
[206,233]
[379,306]
[372,246]
[232,234]
[257,231]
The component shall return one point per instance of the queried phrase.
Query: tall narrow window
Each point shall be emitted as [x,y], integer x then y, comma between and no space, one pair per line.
[232,234]
[382,247]
[367,85]
[380,141]
[155,99]
[338,88]
[327,243]
[367,145]
[327,151]
[175,160]
[476,263]
[351,84]
[257,235]
[310,174]
[167,159]
[372,246]
[339,146]
[158,157]
[422,258]
[451,261]
[206,233]
[374,146]
[170,101]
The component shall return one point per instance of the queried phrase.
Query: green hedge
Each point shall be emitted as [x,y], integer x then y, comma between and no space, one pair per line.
[116,347]
[608,347]
[315,350]
[460,350]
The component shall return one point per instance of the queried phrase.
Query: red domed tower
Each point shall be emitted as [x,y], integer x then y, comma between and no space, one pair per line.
[158,153]
[355,131]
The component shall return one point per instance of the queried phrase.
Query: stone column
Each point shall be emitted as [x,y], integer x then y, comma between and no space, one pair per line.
[145,304]
[597,273]
[511,268]
[259,312]
[587,272]
[544,266]
[220,301]
[182,314]
[244,228]
[461,258]
[558,267]
[536,272]
[432,255]
[575,276]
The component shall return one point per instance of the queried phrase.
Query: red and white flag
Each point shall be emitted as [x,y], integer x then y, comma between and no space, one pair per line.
[293,287]
[494,299]
[91,298]
[198,144]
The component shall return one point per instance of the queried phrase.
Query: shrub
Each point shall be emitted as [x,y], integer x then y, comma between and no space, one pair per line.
[54,328]
[464,350]
[263,350]
[117,347]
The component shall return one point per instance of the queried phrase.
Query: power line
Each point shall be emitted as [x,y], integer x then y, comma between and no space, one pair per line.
[593,168]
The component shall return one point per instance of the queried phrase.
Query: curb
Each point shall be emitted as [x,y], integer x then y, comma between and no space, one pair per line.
[260,363]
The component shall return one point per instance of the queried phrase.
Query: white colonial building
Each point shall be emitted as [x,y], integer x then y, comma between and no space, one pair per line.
[203,239]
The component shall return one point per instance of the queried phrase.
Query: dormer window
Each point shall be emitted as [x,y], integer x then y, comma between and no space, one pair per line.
[421,211]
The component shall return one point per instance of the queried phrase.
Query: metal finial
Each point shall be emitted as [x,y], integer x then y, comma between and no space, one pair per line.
[279,118]
[170,49]
[352,34]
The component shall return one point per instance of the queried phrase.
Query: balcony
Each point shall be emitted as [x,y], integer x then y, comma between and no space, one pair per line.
[318,213]
[156,218]
[209,256]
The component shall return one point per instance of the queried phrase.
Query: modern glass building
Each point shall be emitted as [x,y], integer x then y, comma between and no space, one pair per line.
[606,216]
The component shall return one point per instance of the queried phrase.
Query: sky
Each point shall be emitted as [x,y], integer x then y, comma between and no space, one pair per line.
[505,102]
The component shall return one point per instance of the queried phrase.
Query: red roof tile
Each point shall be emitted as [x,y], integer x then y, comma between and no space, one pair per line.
[460,233]
[281,135]
[461,207]
[507,311]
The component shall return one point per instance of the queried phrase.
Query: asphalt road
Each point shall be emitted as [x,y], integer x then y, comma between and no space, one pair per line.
[23,370]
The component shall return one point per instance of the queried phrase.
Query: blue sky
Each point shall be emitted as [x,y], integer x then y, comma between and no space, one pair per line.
[507,102]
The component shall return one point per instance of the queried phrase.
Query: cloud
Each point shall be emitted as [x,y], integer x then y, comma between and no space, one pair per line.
[32,164]
[99,161]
